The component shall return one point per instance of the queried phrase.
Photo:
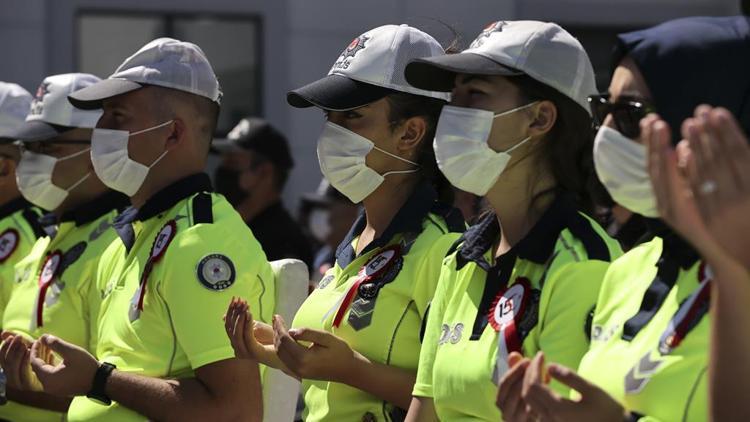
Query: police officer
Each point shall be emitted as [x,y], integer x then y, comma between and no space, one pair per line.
[254,170]
[55,289]
[649,351]
[715,223]
[364,319]
[19,226]
[517,132]
[182,252]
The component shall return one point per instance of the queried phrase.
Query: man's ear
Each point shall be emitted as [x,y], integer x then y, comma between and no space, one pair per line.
[7,168]
[413,131]
[544,118]
[177,133]
[7,171]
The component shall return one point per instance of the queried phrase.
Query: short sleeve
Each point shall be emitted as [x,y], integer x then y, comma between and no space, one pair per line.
[202,270]
[423,384]
[571,293]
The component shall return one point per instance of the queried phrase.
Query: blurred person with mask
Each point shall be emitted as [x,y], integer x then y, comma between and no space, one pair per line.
[19,225]
[330,214]
[55,291]
[255,166]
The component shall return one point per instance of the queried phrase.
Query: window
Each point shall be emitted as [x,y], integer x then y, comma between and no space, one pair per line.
[232,44]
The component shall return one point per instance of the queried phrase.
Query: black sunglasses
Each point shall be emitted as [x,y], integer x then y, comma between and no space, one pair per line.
[626,113]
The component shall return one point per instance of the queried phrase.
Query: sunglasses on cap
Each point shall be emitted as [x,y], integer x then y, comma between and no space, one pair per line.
[626,113]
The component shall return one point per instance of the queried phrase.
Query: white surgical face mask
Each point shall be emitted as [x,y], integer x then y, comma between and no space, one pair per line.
[112,163]
[462,151]
[341,154]
[34,179]
[320,225]
[620,163]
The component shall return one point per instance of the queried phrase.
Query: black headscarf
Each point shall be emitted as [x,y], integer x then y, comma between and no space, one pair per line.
[692,61]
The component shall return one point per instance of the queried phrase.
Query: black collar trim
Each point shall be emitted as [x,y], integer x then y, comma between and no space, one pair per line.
[408,220]
[174,193]
[94,209]
[13,206]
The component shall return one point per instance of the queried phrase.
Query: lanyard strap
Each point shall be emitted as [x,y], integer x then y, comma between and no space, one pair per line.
[690,312]
[654,297]
[50,271]
[158,249]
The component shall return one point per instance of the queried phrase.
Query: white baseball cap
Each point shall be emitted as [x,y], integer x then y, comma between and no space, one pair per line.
[371,67]
[51,114]
[14,106]
[544,51]
[163,62]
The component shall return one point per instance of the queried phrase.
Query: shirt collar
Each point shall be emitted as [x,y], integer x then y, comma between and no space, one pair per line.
[13,206]
[674,247]
[92,210]
[174,193]
[536,246]
[408,219]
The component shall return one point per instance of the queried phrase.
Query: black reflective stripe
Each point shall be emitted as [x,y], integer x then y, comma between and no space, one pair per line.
[589,323]
[454,247]
[634,417]
[33,219]
[666,277]
[203,209]
[423,327]
[497,280]
[596,247]
[454,220]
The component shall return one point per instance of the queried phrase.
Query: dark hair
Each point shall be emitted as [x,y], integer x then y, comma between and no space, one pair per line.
[280,173]
[404,106]
[568,150]
[205,112]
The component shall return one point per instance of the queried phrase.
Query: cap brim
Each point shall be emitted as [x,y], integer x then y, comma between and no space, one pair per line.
[438,73]
[90,98]
[37,130]
[222,145]
[336,93]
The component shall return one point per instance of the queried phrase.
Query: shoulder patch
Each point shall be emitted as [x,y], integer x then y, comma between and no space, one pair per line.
[216,272]
[8,243]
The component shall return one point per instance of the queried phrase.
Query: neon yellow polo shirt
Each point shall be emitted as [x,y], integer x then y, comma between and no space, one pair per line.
[68,306]
[554,274]
[19,230]
[385,317]
[630,356]
[206,255]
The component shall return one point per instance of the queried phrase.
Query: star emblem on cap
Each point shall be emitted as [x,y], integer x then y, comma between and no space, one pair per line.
[355,46]
[486,32]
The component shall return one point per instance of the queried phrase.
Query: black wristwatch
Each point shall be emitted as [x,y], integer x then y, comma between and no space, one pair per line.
[98,391]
